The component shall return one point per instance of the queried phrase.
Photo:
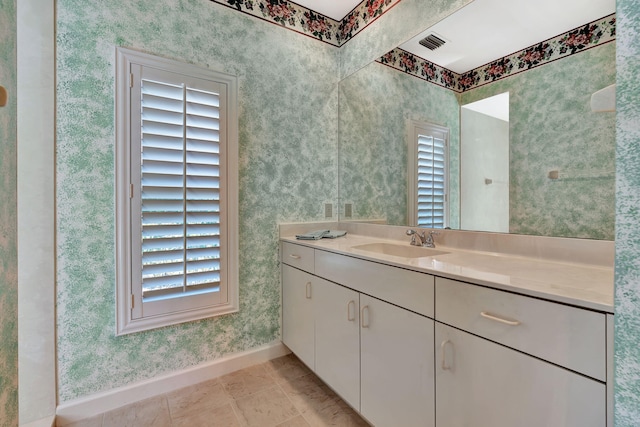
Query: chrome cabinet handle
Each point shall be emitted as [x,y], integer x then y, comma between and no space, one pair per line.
[349,317]
[443,347]
[308,291]
[488,315]
[294,256]
[362,322]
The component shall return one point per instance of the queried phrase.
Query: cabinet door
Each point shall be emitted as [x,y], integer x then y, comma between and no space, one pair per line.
[481,383]
[338,339]
[397,378]
[297,313]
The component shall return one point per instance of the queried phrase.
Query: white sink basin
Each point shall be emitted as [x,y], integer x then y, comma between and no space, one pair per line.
[405,251]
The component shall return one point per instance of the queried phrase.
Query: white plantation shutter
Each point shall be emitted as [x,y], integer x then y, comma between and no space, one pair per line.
[428,172]
[431,181]
[181,230]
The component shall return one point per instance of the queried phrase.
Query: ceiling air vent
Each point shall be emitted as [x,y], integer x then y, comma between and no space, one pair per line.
[432,42]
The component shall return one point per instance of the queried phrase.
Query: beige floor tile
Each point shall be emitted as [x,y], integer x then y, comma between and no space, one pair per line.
[287,368]
[298,421]
[247,381]
[147,413]
[199,397]
[264,409]
[88,422]
[222,416]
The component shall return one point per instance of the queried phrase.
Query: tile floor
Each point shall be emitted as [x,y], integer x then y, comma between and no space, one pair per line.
[279,393]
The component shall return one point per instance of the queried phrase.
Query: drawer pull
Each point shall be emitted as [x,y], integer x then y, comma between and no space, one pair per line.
[362,322]
[308,290]
[294,256]
[487,315]
[443,355]
[349,317]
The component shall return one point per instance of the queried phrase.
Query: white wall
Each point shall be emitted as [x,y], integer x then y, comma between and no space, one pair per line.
[36,210]
[484,156]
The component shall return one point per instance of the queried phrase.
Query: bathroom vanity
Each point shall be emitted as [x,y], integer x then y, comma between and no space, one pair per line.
[448,337]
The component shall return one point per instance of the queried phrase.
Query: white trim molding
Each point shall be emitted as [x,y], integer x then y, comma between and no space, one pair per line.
[36,132]
[49,421]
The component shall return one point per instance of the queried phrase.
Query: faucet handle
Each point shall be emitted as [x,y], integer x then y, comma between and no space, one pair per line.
[413,234]
[429,241]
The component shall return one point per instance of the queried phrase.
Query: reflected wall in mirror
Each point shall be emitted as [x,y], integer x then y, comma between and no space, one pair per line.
[484,152]
[552,132]
[377,105]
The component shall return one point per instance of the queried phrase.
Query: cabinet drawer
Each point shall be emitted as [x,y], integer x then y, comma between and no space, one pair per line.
[408,289]
[568,336]
[297,256]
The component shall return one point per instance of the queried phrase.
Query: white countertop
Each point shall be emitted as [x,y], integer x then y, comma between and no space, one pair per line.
[580,285]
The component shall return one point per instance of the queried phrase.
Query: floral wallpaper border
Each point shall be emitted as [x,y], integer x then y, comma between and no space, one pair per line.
[410,63]
[361,16]
[585,37]
[305,21]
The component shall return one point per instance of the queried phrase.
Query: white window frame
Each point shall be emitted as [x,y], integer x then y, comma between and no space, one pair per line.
[131,315]
[414,130]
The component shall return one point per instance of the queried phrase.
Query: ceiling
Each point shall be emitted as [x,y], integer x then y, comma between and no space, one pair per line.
[335,9]
[477,34]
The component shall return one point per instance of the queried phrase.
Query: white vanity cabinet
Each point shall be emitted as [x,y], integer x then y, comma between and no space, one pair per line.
[367,346]
[297,301]
[406,348]
[505,360]
[396,349]
[321,323]
[396,338]
[481,383]
[297,314]
[337,339]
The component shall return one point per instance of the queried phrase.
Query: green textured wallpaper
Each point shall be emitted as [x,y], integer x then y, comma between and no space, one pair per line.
[627,281]
[376,104]
[552,127]
[8,221]
[288,162]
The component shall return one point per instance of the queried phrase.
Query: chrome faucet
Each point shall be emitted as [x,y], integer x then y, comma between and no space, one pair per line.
[421,239]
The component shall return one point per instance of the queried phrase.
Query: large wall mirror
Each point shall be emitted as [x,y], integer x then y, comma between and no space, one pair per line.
[553,172]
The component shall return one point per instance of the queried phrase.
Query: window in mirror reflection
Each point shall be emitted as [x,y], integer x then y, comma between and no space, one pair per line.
[428,171]
[484,156]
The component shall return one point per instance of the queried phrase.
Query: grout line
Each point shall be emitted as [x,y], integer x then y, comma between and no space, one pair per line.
[293,404]
[235,409]
[232,400]
[166,401]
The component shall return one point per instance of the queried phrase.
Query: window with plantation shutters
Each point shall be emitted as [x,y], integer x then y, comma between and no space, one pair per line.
[428,169]
[177,210]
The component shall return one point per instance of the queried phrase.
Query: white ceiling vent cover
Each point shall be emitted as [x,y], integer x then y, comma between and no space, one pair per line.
[432,41]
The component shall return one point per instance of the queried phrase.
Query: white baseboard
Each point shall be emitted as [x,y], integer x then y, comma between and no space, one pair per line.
[43,422]
[98,403]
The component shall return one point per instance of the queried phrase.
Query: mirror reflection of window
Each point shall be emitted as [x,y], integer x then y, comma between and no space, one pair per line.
[428,171]
[484,156]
